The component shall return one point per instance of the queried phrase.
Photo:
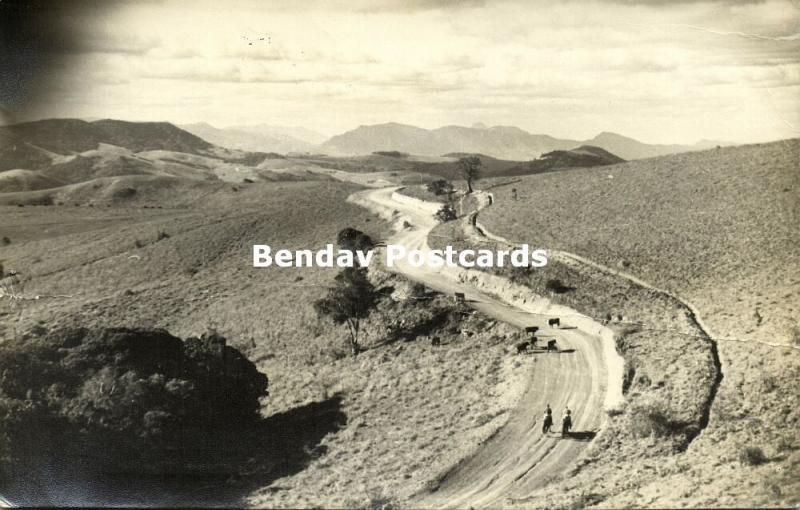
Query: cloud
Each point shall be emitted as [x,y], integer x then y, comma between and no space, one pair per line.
[568,66]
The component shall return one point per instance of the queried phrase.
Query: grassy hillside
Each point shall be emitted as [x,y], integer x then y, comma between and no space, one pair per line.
[396,407]
[719,229]
[670,374]
[581,157]
[25,180]
[66,136]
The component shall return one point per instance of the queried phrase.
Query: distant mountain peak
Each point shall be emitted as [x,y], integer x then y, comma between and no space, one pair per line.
[608,135]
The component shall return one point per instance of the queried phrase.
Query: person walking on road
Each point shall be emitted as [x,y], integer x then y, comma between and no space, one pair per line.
[548,420]
[566,422]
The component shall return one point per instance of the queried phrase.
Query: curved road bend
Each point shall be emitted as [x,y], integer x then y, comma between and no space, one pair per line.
[518,459]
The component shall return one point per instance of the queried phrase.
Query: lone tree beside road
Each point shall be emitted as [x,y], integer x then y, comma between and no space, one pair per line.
[470,170]
[351,299]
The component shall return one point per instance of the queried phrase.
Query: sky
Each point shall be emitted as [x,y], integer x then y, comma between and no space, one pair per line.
[661,71]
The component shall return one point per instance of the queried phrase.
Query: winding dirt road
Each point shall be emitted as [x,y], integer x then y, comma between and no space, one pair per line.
[518,459]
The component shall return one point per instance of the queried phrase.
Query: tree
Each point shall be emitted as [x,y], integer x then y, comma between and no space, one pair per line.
[446,213]
[470,170]
[351,299]
[354,240]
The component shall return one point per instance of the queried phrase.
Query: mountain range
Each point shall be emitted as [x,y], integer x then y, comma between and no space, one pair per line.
[37,145]
[504,142]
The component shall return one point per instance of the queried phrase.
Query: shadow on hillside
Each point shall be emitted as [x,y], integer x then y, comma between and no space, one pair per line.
[224,467]
[545,351]
[581,435]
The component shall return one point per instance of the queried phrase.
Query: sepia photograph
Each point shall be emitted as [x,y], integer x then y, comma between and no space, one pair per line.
[400,254]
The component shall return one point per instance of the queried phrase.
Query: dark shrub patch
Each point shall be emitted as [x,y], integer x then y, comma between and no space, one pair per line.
[446,213]
[354,240]
[752,456]
[440,187]
[124,193]
[121,399]
[557,286]
[654,420]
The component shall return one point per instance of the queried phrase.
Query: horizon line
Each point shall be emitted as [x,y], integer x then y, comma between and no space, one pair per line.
[6,122]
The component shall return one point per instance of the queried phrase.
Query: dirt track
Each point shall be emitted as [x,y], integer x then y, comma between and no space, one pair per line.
[519,458]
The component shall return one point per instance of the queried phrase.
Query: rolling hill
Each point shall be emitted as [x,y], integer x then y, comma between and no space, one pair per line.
[25,180]
[628,148]
[70,136]
[503,142]
[584,156]
[41,162]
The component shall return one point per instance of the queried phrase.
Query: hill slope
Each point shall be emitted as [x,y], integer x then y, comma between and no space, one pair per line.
[628,148]
[55,152]
[68,136]
[582,157]
[25,180]
[187,267]
[714,226]
[719,229]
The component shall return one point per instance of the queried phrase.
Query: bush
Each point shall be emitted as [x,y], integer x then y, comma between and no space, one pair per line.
[440,187]
[6,241]
[131,398]
[354,240]
[557,286]
[652,420]
[43,200]
[124,193]
[752,456]
[418,291]
[446,213]
[794,334]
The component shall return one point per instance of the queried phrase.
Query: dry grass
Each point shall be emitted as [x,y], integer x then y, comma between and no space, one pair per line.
[413,411]
[715,227]
[718,227]
[405,402]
